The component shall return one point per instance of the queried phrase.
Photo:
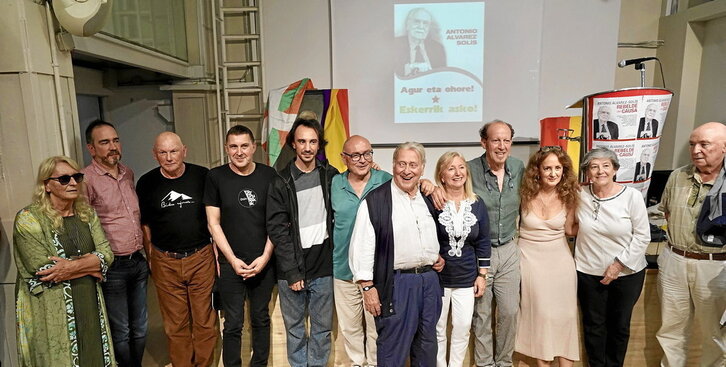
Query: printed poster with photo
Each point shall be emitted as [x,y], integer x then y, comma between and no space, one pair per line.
[630,123]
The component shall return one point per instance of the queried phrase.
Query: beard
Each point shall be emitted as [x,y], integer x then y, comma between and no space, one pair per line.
[112,158]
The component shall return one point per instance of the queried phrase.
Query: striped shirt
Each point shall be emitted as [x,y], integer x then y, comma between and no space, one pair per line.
[311,213]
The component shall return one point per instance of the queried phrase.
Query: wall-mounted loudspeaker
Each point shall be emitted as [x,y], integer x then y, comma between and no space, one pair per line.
[82,17]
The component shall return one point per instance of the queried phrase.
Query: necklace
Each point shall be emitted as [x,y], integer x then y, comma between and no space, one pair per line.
[606,192]
[597,201]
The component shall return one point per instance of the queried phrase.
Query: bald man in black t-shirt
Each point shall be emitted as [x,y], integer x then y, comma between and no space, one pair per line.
[179,250]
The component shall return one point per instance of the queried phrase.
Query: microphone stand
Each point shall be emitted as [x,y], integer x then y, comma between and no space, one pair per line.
[641,67]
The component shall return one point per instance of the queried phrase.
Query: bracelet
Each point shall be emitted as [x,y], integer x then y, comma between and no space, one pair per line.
[481,275]
[368,287]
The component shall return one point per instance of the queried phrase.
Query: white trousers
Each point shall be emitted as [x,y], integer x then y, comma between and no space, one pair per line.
[359,337]
[461,302]
[689,287]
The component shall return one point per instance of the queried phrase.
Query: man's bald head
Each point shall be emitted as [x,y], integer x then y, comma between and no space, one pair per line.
[353,141]
[167,137]
[357,155]
[170,152]
[716,128]
[707,145]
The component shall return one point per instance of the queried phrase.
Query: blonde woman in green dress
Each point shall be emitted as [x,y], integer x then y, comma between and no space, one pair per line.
[61,254]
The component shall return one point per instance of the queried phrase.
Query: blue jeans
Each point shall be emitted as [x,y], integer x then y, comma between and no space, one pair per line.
[125,295]
[296,306]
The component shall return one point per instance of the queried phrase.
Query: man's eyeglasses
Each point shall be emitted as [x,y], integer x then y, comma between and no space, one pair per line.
[355,157]
[66,179]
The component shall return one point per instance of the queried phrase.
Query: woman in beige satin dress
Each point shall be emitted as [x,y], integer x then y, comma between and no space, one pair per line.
[548,326]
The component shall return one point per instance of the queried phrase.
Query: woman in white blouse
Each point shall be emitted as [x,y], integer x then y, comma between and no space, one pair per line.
[610,257]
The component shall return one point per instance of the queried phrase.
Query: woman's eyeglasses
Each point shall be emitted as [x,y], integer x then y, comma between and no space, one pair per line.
[596,208]
[66,179]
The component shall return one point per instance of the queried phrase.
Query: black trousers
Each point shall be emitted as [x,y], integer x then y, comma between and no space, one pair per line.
[606,311]
[234,291]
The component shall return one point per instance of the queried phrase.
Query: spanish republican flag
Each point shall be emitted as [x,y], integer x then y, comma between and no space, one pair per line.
[336,127]
[282,107]
[556,130]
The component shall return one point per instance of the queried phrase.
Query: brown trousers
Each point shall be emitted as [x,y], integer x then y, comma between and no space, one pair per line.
[184,288]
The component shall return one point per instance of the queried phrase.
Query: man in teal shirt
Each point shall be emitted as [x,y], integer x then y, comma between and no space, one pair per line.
[347,191]
[496,178]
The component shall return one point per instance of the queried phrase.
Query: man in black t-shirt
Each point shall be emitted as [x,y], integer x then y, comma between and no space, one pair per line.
[235,197]
[300,225]
[179,250]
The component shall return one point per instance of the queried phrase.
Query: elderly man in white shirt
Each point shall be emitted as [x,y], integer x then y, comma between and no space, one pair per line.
[394,242]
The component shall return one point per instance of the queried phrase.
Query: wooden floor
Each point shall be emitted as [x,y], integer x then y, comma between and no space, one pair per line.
[643,349]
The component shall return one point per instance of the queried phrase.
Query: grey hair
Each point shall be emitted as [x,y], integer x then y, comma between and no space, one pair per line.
[600,153]
[412,145]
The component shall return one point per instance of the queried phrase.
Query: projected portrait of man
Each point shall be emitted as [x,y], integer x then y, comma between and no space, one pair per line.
[419,49]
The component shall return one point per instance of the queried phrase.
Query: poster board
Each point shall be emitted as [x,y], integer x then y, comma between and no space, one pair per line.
[630,123]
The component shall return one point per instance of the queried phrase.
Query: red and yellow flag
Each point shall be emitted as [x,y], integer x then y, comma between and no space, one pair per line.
[555,130]
[335,127]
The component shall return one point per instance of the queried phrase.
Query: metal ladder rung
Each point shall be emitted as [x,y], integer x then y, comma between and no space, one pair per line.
[242,89]
[244,64]
[244,116]
[240,37]
[239,10]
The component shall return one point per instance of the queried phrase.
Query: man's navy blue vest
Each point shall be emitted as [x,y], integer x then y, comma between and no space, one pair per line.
[380,211]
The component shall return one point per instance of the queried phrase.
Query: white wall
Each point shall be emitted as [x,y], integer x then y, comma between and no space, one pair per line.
[638,22]
[578,54]
[712,85]
[296,42]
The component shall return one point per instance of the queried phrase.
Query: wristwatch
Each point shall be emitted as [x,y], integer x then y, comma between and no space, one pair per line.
[368,287]
[482,275]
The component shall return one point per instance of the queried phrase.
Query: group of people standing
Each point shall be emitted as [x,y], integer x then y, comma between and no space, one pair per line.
[399,259]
